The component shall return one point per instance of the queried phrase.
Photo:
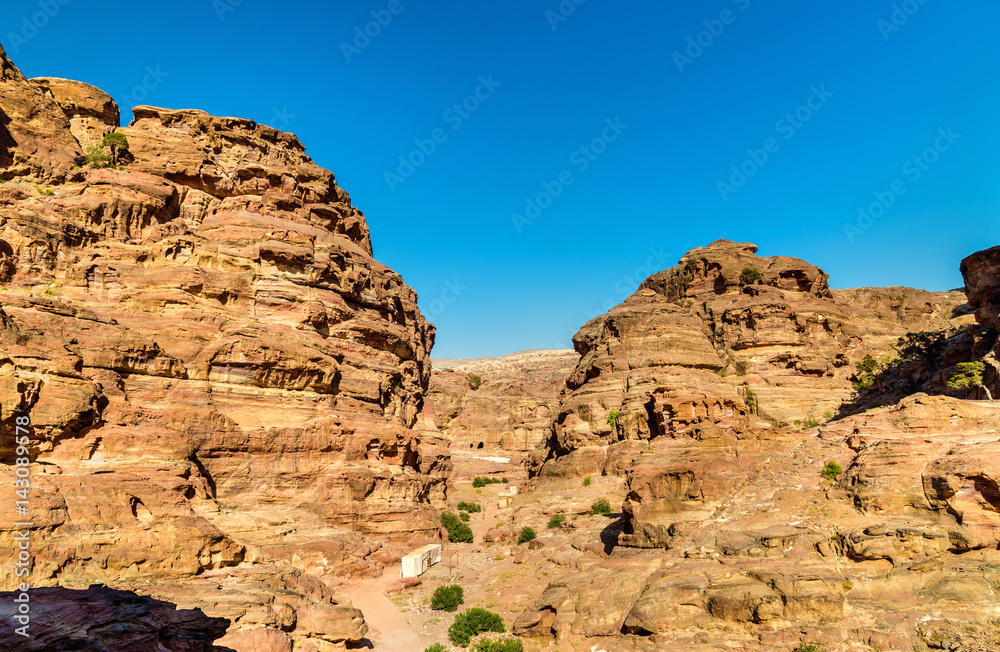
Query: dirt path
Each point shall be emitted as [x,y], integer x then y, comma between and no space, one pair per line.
[389,630]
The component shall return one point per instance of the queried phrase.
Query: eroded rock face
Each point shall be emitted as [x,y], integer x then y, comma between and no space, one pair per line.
[218,373]
[91,112]
[99,619]
[981,271]
[713,400]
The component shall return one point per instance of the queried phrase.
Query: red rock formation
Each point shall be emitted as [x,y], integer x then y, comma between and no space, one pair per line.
[219,376]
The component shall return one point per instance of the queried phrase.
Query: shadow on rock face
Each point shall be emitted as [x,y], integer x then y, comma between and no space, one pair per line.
[100,619]
[610,534]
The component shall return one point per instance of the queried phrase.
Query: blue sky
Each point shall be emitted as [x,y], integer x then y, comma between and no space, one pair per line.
[645,107]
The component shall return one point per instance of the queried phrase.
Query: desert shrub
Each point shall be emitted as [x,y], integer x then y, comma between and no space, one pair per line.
[472,622]
[751,400]
[437,647]
[505,481]
[472,508]
[749,276]
[447,598]
[458,532]
[556,520]
[97,157]
[808,647]
[527,534]
[613,418]
[969,374]
[865,372]
[474,382]
[503,645]
[478,483]
[831,471]
[464,516]
[586,481]
[810,422]
[601,506]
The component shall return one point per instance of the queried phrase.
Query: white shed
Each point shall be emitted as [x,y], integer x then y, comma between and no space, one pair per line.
[417,562]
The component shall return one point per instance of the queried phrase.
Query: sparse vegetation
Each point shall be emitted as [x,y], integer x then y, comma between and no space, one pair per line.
[600,506]
[586,481]
[482,482]
[808,647]
[503,645]
[969,374]
[749,276]
[474,382]
[437,647]
[831,471]
[751,400]
[472,508]
[810,422]
[613,418]
[472,622]
[865,372]
[458,532]
[555,521]
[464,516]
[447,598]
[527,534]
[96,157]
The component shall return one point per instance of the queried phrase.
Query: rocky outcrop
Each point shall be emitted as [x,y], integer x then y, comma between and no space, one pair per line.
[714,400]
[91,112]
[510,413]
[982,282]
[99,619]
[219,375]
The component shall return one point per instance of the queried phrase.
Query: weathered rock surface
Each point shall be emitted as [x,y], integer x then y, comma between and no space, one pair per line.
[729,533]
[100,619]
[981,271]
[219,376]
[510,413]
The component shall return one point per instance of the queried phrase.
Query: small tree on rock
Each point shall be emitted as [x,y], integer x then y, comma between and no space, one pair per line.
[969,374]
[118,144]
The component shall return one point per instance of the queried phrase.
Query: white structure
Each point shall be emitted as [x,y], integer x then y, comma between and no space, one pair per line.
[512,490]
[417,562]
[506,501]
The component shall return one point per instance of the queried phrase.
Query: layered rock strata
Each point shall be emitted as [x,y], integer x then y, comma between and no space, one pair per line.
[220,377]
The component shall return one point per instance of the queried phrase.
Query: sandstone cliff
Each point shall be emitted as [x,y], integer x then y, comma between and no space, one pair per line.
[708,404]
[221,380]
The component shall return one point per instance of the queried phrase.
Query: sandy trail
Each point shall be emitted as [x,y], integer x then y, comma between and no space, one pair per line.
[389,630]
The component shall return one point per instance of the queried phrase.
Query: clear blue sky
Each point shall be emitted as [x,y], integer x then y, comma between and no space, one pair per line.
[654,188]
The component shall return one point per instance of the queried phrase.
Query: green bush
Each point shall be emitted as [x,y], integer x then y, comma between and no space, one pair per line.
[556,520]
[458,532]
[447,598]
[505,481]
[472,508]
[969,374]
[613,418]
[810,422]
[474,621]
[527,534]
[478,483]
[601,506]
[464,516]
[749,276]
[503,645]
[96,157]
[437,647]
[831,471]
[810,647]
[866,370]
[474,382]
[586,481]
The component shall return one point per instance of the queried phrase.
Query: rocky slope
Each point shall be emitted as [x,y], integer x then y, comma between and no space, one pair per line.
[707,406]
[220,378]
